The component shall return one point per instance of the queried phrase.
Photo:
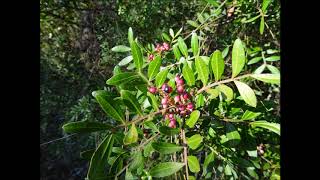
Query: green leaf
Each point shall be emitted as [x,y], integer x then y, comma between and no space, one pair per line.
[166,37]
[176,51]
[193,164]
[202,69]
[125,61]
[272,58]
[274,127]
[165,169]
[213,93]
[273,69]
[255,60]
[154,67]
[120,48]
[252,173]
[108,105]
[199,100]
[192,178]
[130,35]
[171,33]
[183,47]
[260,69]
[151,125]
[225,52]
[123,78]
[193,23]
[131,136]
[194,116]
[161,77]
[195,44]
[213,3]
[137,161]
[265,5]
[200,18]
[85,127]
[169,131]
[137,55]
[248,115]
[261,25]
[194,141]
[188,74]
[226,91]
[227,170]
[154,101]
[129,176]
[217,64]
[148,149]
[232,135]
[207,161]
[246,93]
[166,148]
[99,158]
[87,155]
[251,19]
[126,95]
[238,58]
[268,78]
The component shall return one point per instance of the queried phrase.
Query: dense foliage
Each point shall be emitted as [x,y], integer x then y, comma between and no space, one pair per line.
[197,96]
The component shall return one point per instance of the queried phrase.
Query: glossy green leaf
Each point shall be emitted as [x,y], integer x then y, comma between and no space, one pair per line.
[227,170]
[165,169]
[129,176]
[213,93]
[183,47]
[226,91]
[195,44]
[207,161]
[108,105]
[171,32]
[232,135]
[274,127]
[254,60]
[213,3]
[87,155]
[225,52]
[123,78]
[166,37]
[238,57]
[148,149]
[85,127]
[154,67]
[203,70]
[151,125]
[126,95]
[194,141]
[194,116]
[265,5]
[161,77]
[199,100]
[176,51]
[272,58]
[166,148]
[192,178]
[169,131]
[248,115]
[200,18]
[125,61]
[251,19]
[268,78]
[98,162]
[154,101]
[273,69]
[193,164]
[193,23]
[246,93]
[130,35]
[217,64]
[252,173]
[137,161]
[260,69]
[120,48]
[188,74]
[261,25]
[137,55]
[131,136]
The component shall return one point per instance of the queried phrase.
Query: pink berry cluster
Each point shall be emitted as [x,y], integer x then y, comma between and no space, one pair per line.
[180,99]
[159,48]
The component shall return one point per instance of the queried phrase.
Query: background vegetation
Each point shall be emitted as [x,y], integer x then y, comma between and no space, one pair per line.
[76,59]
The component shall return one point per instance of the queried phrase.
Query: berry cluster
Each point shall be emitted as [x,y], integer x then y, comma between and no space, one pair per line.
[159,48]
[179,99]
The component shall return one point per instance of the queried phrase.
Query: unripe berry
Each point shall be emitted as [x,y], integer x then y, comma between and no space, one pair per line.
[182,107]
[170,116]
[177,78]
[172,123]
[183,113]
[190,106]
[185,96]
[165,46]
[180,82]
[180,89]
[164,106]
[177,99]
[164,100]
[152,90]
[151,57]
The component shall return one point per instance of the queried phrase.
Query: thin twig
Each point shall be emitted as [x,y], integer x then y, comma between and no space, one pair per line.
[185,152]
[55,140]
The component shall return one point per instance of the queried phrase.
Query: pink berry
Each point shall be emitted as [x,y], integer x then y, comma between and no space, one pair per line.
[180,89]
[190,106]
[152,90]
[164,106]
[183,113]
[185,96]
[177,99]
[165,46]
[158,48]
[164,100]
[181,107]
[180,82]
[169,89]
[172,123]
[151,57]
[164,86]
[177,78]
[170,116]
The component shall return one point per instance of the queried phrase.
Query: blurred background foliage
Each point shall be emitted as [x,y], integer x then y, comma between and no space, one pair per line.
[76,38]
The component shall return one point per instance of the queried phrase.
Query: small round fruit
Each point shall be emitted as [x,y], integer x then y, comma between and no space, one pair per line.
[152,90]
[164,106]
[172,123]
[177,78]
[180,82]
[185,96]
[190,106]
[151,57]
[170,116]
[182,107]
[164,100]
[177,99]
[180,89]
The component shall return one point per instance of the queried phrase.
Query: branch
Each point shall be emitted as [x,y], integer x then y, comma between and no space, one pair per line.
[185,152]
[222,82]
